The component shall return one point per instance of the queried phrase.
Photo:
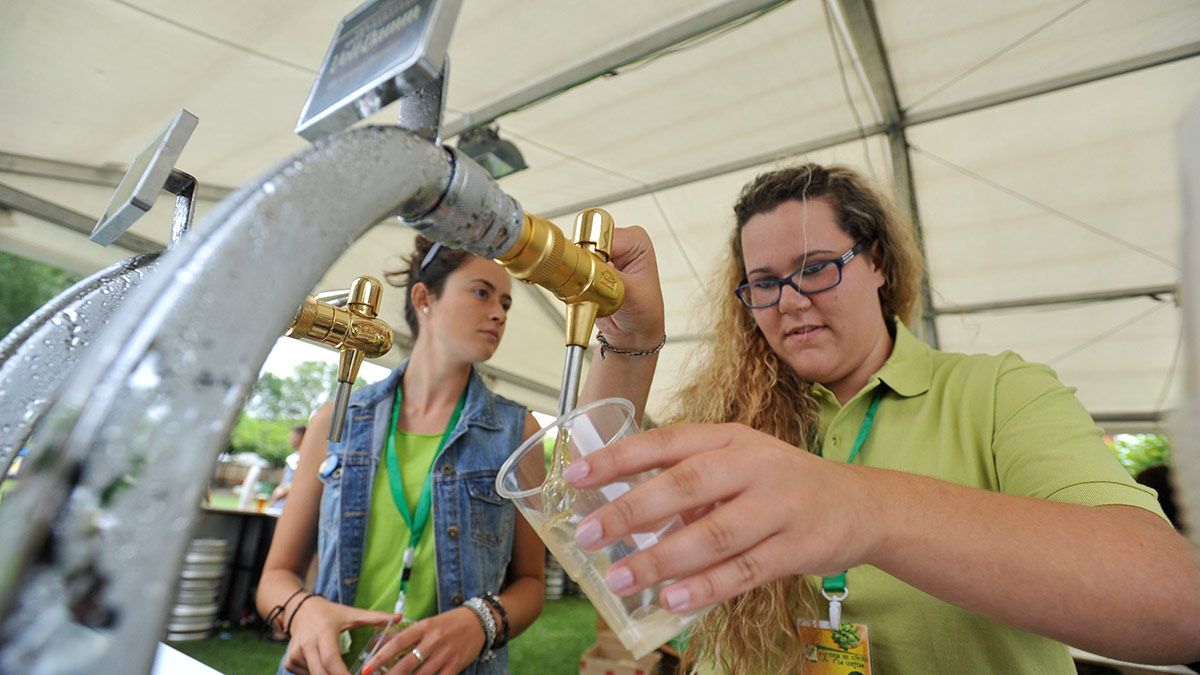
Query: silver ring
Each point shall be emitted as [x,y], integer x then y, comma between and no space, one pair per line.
[420,657]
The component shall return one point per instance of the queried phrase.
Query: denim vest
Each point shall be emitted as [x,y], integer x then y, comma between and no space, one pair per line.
[472,525]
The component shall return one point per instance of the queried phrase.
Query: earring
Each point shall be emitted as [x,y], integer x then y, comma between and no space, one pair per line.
[425,310]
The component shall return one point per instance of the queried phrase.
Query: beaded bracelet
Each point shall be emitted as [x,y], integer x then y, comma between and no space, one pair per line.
[495,603]
[605,347]
[489,627]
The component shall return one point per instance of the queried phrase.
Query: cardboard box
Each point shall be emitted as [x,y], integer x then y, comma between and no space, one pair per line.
[608,657]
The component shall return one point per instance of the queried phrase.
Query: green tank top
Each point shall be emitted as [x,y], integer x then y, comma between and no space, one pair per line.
[387,535]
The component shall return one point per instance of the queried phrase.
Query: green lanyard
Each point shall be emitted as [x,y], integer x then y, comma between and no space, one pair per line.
[416,522]
[834,588]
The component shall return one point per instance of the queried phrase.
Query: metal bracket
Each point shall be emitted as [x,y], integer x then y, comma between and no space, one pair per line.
[150,173]
[382,51]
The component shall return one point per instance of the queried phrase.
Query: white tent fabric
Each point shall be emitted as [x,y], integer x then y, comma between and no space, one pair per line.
[1038,138]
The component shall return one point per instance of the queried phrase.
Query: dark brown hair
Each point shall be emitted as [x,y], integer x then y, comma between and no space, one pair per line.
[432,272]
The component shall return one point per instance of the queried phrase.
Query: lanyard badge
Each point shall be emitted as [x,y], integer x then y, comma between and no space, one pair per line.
[832,647]
[416,521]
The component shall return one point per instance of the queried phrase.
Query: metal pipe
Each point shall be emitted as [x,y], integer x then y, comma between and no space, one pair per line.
[141,421]
[341,402]
[568,396]
[1185,423]
[337,298]
[37,355]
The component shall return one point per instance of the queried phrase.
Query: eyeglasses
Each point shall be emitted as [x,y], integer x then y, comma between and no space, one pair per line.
[811,279]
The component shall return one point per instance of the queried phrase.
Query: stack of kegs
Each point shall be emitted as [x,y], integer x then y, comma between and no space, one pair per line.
[200,582]
[555,578]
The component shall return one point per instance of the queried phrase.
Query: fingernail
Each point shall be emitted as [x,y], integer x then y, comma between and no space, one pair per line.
[588,533]
[367,670]
[619,579]
[677,598]
[575,471]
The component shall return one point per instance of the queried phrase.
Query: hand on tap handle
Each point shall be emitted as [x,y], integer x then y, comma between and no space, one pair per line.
[637,326]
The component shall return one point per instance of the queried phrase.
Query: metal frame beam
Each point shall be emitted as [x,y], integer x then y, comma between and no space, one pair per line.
[72,172]
[1152,292]
[713,171]
[1056,84]
[867,46]
[1016,94]
[50,212]
[630,52]
[1158,293]
[1149,422]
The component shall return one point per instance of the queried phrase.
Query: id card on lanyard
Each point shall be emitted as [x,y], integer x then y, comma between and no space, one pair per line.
[416,521]
[832,647]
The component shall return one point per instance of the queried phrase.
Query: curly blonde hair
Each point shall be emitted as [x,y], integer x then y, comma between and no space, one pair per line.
[742,380]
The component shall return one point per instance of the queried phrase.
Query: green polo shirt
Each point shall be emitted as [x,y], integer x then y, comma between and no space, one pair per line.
[991,422]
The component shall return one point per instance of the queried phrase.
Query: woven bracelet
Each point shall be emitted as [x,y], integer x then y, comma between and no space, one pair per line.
[605,347]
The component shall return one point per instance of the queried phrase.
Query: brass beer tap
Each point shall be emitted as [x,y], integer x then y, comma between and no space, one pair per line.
[355,330]
[576,273]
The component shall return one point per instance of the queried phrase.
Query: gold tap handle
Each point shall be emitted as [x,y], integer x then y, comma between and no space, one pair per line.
[593,232]
[356,329]
[365,295]
[576,273]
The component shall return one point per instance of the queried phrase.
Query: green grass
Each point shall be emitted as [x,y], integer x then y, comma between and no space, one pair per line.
[235,652]
[223,500]
[551,646]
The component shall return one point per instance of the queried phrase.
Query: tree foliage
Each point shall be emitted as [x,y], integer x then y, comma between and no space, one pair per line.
[1138,452]
[267,438]
[27,285]
[295,397]
[277,404]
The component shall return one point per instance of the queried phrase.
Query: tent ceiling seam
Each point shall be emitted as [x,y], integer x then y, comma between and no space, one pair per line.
[1103,335]
[1100,232]
[1004,50]
[1015,94]
[217,39]
[689,29]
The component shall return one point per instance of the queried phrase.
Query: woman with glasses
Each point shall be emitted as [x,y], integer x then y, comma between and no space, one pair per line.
[945,513]
[402,513]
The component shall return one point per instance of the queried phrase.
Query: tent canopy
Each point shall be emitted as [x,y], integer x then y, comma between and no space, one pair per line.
[1033,140]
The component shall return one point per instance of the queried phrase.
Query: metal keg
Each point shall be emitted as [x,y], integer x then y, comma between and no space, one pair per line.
[555,578]
[201,579]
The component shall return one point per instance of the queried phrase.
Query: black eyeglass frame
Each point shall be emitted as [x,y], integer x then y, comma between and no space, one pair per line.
[743,290]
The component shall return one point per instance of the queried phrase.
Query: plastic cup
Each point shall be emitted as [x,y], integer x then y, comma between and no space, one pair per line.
[640,622]
[375,643]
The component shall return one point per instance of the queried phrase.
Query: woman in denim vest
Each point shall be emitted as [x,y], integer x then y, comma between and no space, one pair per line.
[475,576]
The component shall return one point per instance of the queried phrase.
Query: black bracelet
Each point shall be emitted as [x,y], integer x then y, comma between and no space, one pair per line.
[277,612]
[292,618]
[495,603]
